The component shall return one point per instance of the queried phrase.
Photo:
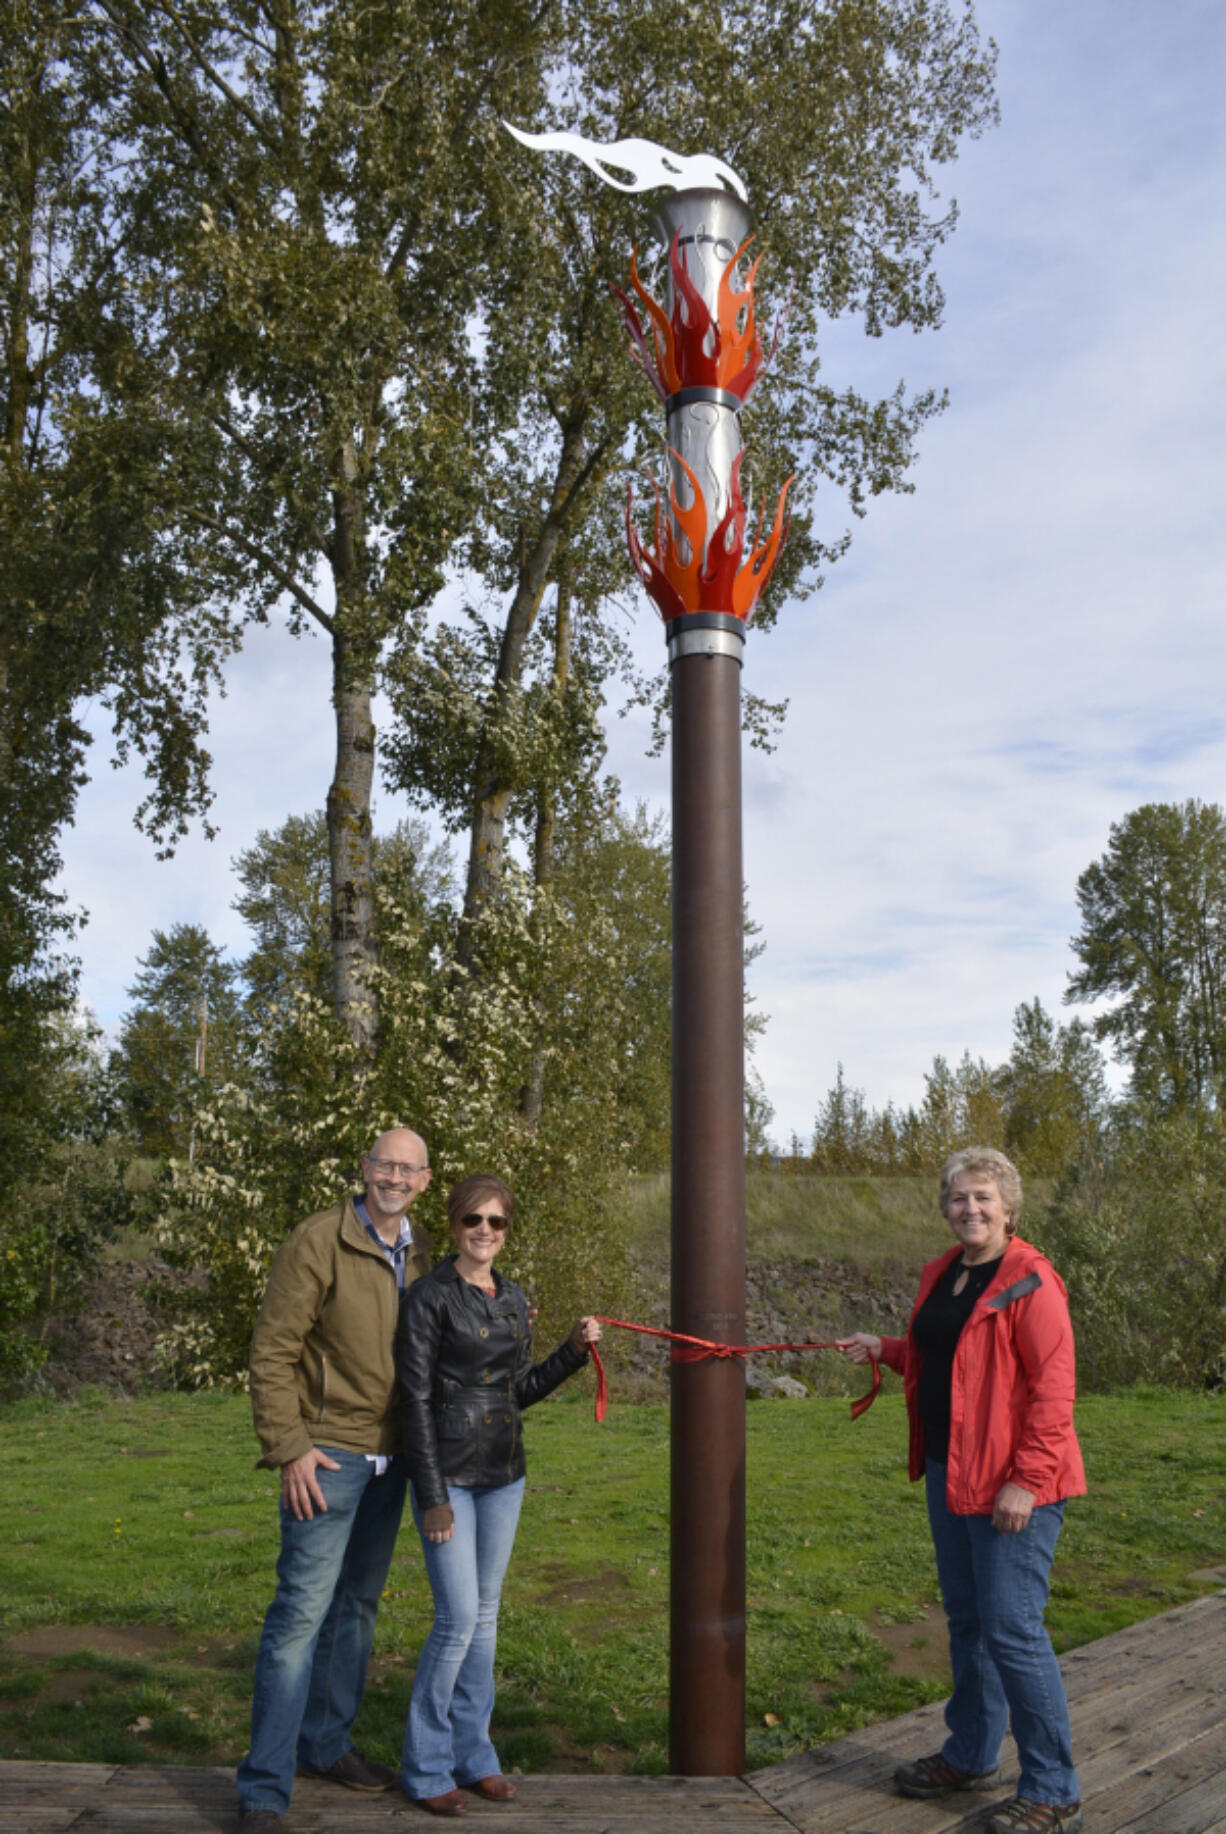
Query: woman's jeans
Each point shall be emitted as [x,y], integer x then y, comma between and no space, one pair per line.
[311,1666]
[994,1587]
[447,1739]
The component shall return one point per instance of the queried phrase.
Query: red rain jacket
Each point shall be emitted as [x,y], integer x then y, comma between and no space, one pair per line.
[1011,1401]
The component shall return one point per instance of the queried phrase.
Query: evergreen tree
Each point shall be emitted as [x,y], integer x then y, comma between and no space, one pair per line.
[1054,1091]
[185,1033]
[1153,940]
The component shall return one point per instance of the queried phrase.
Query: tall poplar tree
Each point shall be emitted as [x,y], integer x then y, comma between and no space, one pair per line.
[305,234]
[94,605]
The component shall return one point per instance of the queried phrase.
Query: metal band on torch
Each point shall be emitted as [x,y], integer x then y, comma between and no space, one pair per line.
[706,633]
[720,397]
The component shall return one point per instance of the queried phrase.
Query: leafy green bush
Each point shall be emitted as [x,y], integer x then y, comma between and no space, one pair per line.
[1141,1243]
[65,1192]
[451,1064]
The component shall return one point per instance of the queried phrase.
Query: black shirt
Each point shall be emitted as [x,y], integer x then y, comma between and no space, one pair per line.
[937,1328]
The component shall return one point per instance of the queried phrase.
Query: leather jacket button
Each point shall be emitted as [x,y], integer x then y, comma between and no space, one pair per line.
[485,1375]
[485,1331]
[489,1420]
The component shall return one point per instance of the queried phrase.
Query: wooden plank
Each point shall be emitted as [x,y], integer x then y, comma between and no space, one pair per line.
[1182,1794]
[1139,1774]
[35,1773]
[36,1818]
[182,1800]
[1157,1640]
[1101,1728]
[155,1818]
[355,1815]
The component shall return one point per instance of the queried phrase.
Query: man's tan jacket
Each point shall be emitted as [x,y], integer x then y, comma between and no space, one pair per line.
[322,1366]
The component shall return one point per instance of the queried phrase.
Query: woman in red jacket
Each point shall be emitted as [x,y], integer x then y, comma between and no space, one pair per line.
[987,1365]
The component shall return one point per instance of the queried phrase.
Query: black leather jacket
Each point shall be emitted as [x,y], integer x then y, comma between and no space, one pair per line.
[464,1369]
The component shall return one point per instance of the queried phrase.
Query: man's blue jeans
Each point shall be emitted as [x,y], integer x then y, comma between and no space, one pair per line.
[447,1739]
[311,1666]
[994,1587]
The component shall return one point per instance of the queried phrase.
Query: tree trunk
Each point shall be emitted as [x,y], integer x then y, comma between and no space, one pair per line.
[354,942]
[492,794]
[355,948]
[17,392]
[532,1100]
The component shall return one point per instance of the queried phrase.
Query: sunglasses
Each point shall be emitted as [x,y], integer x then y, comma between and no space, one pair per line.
[475,1217]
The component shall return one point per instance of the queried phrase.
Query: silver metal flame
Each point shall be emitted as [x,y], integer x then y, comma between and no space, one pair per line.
[651,167]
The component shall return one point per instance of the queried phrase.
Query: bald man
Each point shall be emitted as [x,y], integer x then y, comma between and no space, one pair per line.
[323,1385]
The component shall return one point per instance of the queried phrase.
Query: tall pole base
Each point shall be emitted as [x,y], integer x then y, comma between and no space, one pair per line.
[707,1652]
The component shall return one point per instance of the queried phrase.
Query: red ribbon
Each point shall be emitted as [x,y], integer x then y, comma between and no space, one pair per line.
[687,1349]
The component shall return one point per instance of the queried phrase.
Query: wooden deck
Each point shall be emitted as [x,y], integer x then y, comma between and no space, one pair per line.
[1149,1736]
[1149,1730]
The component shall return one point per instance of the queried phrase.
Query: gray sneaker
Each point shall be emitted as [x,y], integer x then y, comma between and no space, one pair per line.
[1022,1816]
[936,1776]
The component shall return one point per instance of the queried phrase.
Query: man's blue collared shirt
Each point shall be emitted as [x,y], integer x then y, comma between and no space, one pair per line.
[397,1251]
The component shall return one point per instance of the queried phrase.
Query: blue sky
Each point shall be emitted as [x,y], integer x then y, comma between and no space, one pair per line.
[1007,661]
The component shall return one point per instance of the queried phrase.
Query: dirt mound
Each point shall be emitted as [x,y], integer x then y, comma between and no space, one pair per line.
[786,1301]
[109,1338]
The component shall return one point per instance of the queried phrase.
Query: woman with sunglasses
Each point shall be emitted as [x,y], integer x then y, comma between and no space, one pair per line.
[465,1372]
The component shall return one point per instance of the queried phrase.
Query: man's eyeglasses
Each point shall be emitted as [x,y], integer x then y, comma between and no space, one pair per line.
[475,1217]
[396,1168]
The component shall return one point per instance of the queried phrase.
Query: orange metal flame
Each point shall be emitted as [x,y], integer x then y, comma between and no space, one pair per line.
[754,577]
[740,354]
[692,350]
[719,580]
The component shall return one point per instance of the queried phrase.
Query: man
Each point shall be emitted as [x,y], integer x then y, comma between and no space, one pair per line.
[322,1390]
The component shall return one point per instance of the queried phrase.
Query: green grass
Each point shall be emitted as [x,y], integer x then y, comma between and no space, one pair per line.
[144,1521]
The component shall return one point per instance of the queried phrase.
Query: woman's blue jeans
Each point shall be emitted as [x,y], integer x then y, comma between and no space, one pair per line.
[311,1668]
[994,1588]
[447,1739]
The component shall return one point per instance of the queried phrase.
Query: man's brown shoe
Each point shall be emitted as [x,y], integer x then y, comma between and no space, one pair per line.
[496,1788]
[258,1821]
[451,1802]
[353,1771]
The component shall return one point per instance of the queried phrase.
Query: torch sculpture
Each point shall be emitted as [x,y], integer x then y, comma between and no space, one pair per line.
[701,352]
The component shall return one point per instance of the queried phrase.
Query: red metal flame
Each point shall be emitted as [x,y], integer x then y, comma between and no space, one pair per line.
[680,578]
[754,577]
[692,349]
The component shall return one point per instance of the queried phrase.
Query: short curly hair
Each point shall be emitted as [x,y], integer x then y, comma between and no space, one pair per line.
[989,1164]
[472,1192]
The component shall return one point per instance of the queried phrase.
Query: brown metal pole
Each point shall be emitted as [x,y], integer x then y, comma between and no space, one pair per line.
[707,1660]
